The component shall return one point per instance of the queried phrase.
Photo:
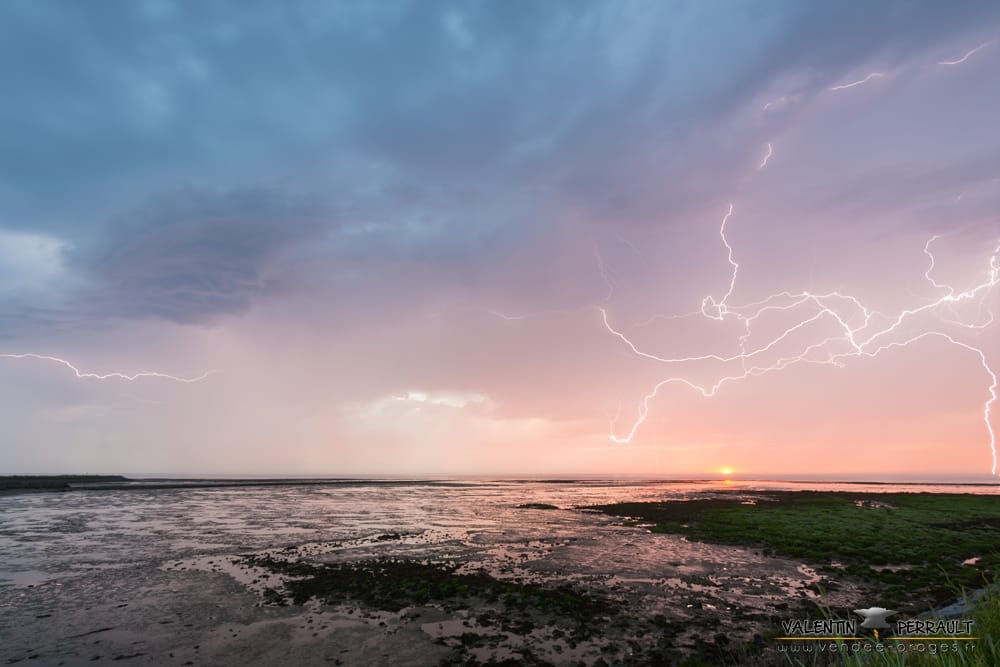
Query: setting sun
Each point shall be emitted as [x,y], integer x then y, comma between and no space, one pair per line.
[725,471]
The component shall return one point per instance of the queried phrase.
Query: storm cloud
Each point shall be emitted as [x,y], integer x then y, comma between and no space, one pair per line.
[434,196]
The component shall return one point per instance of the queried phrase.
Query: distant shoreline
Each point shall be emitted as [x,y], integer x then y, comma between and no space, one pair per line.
[63,483]
[14,484]
[29,483]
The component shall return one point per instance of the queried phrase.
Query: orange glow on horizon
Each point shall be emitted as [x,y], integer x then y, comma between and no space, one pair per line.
[725,471]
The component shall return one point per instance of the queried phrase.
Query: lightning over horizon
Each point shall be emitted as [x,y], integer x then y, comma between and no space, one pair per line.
[860,340]
[864,339]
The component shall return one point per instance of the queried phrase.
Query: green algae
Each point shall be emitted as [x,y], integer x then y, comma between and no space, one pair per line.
[913,549]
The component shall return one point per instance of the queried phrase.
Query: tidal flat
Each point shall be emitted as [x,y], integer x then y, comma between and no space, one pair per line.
[470,572]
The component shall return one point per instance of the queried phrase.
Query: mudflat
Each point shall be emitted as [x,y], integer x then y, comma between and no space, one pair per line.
[516,573]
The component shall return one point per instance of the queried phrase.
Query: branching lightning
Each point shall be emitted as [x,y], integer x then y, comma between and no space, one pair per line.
[655,318]
[859,331]
[115,375]
[863,339]
[863,332]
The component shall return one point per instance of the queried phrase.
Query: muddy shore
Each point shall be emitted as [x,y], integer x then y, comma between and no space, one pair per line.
[516,583]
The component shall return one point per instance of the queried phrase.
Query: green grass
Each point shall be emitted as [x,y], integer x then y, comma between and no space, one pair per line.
[929,535]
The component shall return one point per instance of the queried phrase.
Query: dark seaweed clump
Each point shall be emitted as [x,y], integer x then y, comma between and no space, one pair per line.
[537,506]
[391,585]
[562,613]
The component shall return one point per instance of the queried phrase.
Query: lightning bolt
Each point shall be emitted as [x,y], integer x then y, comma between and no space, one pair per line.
[115,375]
[649,320]
[862,332]
[767,156]
[930,257]
[845,86]
[709,303]
[968,55]
[863,339]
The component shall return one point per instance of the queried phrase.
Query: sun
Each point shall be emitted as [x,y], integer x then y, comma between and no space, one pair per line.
[726,471]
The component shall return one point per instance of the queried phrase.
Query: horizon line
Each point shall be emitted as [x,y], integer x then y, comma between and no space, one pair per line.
[981,479]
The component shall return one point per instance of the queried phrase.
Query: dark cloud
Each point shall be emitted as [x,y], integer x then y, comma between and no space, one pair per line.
[168,95]
[447,130]
[195,256]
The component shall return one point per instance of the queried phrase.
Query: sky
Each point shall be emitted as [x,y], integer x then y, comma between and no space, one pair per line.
[407,238]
